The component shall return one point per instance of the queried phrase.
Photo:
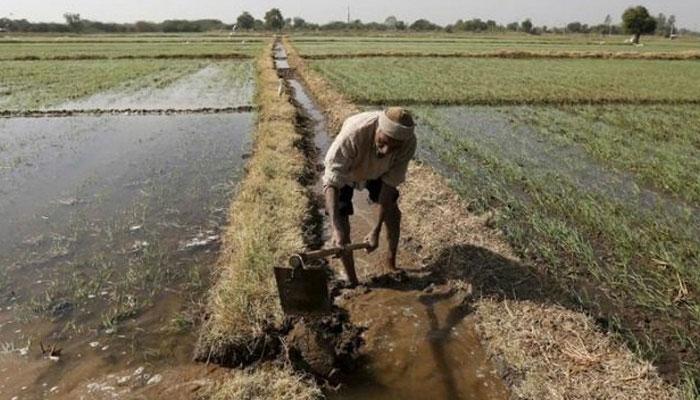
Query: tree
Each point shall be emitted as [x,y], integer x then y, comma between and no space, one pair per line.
[513,26]
[73,21]
[299,23]
[526,26]
[245,21]
[274,19]
[574,27]
[661,24]
[637,21]
[608,23]
[423,25]
[391,22]
[671,24]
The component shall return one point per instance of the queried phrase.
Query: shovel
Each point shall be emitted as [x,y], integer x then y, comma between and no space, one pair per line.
[303,290]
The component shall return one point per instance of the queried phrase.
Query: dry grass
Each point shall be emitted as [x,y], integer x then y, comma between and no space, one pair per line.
[266,222]
[265,383]
[524,54]
[550,352]
[534,341]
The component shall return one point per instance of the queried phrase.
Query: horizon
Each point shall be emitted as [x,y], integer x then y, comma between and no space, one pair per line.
[541,12]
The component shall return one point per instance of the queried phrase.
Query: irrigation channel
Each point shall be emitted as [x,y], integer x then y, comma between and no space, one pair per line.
[109,227]
[418,339]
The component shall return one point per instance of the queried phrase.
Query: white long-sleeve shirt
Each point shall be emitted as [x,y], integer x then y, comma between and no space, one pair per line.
[352,158]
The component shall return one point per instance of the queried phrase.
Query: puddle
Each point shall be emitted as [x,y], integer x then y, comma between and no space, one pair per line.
[417,345]
[214,86]
[108,229]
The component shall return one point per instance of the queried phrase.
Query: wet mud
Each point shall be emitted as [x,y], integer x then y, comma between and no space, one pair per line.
[419,345]
[415,339]
[109,228]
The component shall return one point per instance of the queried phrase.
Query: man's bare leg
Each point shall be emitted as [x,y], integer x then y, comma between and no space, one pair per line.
[388,213]
[392,219]
[347,258]
[340,226]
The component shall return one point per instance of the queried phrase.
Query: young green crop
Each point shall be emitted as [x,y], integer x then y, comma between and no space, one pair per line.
[12,50]
[446,44]
[31,85]
[512,81]
[658,144]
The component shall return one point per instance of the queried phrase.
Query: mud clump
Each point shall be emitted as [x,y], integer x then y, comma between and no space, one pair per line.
[325,347]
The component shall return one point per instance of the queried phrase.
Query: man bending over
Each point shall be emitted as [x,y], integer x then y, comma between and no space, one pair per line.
[372,152]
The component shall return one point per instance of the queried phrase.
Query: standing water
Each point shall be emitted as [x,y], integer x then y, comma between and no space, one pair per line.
[108,229]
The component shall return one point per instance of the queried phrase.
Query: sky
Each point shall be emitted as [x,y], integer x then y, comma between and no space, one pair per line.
[542,12]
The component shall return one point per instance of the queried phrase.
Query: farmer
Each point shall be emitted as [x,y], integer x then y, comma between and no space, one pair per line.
[372,152]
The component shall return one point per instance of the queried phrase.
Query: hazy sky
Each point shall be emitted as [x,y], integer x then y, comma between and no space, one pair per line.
[542,12]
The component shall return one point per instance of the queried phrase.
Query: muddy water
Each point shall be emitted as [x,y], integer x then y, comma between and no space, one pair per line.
[418,344]
[108,229]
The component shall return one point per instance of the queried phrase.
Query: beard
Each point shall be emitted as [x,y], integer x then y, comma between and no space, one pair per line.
[380,154]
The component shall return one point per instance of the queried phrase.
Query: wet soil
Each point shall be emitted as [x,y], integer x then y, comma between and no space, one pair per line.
[417,342]
[419,345]
[109,227]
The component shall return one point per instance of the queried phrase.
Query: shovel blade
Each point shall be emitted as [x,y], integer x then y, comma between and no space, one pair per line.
[303,291]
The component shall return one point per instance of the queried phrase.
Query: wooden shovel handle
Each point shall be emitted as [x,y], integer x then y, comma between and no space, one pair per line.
[333,251]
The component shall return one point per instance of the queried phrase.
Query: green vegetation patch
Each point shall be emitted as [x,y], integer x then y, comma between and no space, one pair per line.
[447,44]
[511,81]
[14,50]
[31,85]
[629,261]
[658,144]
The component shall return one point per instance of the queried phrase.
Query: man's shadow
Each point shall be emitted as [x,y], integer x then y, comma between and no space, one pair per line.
[489,274]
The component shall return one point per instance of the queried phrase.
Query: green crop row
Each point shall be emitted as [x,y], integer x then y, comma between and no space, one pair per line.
[446,44]
[659,145]
[58,50]
[508,81]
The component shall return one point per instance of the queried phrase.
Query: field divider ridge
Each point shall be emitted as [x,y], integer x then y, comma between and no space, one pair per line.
[85,57]
[244,321]
[524,55]
[123,111]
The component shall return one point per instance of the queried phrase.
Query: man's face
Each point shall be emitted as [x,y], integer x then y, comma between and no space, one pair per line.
[384,143]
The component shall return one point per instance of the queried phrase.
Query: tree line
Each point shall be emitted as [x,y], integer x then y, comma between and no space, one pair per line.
[75,24]
[638,22]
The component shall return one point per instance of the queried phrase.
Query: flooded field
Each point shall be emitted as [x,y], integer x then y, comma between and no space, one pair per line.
[213,86]
[498,133]
[108,230]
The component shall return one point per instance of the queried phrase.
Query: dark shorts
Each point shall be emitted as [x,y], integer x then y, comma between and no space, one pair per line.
[345,197]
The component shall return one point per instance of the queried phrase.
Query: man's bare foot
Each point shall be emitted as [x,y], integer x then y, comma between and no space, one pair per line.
[389,264]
